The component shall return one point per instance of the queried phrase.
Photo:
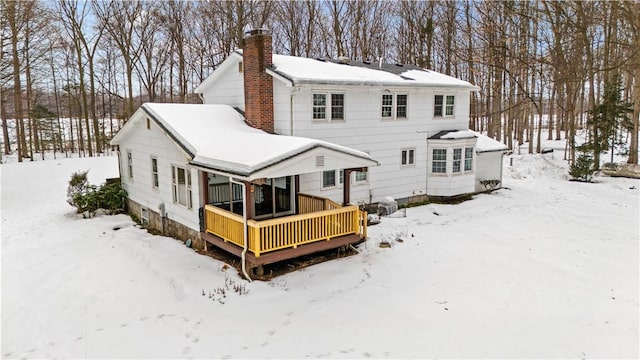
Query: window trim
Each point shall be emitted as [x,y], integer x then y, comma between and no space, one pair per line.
[394,107]
[470,159]
[188,186]
[457,161]
[129,164]
[444,106]
[338,179]
[144,216]
[328,106]
[439,161]
[408,157]
[361,181]
[155,178]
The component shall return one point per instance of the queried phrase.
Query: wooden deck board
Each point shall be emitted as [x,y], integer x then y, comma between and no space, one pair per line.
[281,255]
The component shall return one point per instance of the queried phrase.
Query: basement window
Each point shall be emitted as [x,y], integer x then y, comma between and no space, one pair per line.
[144,216]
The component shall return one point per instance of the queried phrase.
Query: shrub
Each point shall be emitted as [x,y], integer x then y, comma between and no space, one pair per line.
[582,167]
[87,198]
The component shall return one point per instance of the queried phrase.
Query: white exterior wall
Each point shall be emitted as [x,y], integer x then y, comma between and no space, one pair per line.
[489,166]
[365,130]
[140,189]
[450,183]
[228,88]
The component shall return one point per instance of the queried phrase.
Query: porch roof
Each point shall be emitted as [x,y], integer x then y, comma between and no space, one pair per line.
[217,138]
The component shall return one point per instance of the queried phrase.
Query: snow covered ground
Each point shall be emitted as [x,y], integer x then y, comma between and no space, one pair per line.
[545,268]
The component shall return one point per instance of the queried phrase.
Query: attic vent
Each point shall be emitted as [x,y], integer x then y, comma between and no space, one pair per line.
[320,161]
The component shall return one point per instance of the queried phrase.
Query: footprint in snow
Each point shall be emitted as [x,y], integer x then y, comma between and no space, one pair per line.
[271,332]
[186,350]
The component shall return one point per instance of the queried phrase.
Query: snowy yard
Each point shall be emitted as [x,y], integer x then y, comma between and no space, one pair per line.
[545,268]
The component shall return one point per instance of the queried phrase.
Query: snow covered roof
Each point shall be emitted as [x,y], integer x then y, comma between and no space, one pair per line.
[217,137]
[487,144]
[483,142]
[300,70]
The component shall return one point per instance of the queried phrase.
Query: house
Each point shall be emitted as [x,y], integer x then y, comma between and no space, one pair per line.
[271,165]
[413,121]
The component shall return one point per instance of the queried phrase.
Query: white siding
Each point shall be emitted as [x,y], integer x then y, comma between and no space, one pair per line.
[364,129]
[489,167]
[143,143]
[228,89]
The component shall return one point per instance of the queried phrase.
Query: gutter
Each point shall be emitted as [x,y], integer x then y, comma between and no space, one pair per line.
[244,227]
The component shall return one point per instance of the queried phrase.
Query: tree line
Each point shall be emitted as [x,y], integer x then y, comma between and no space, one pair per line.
[541,66]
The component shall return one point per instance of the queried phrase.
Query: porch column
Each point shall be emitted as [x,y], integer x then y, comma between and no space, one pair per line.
[248,199]
[346,188]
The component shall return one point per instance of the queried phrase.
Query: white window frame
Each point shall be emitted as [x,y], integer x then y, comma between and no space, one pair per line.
[391,112]
[328,106]
[358,181]
[439,161]
[155,179]
[130,164]
[144,216]
[468,160]
[408,157]
[338,179]
[175,189]
[457,160]
[445,106]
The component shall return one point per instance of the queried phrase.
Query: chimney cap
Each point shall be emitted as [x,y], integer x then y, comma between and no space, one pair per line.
[256,31]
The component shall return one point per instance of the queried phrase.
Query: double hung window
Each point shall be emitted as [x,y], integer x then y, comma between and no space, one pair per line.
[394,106]
[443,105]
[468,159]
[181,184]
[154,172]
[439,161]
[328,106]
[408,157]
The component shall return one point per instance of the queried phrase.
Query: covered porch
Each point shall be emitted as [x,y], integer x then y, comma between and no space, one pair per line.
[320,225]
[254,209]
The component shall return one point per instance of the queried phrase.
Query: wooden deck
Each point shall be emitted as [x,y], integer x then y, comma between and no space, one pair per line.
[281,255]
[321,225]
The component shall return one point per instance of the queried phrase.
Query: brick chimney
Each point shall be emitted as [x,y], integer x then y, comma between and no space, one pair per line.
[258,85]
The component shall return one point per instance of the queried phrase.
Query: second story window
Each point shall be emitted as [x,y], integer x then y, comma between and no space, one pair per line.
[394,106]
[443,105]
[387,105]
[337,106]
[328,106]
[319,106]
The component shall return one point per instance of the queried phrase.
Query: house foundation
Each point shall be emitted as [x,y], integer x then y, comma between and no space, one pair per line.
[165,226]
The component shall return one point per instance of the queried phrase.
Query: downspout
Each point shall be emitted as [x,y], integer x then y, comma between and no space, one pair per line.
[291,94]
[244,227]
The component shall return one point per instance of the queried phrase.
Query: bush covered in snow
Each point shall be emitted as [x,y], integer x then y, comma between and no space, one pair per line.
[87,198]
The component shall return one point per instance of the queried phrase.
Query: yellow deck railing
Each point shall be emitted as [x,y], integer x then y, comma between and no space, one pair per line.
[286,232]
[311,203]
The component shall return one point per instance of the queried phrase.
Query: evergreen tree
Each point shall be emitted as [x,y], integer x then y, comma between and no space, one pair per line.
[606,118]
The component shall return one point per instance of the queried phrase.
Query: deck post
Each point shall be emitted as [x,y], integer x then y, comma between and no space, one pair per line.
[346,188]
